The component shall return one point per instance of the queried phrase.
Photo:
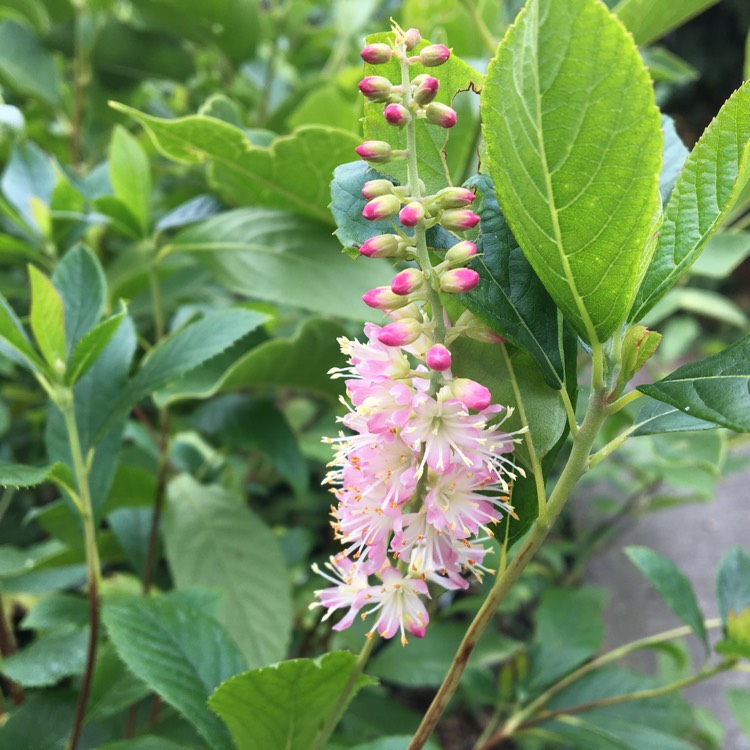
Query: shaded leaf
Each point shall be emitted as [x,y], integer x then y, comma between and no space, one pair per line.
[47,318]
[739,704]
[28,177]
[89,348]
[651,19]
[656,416]
[25,66]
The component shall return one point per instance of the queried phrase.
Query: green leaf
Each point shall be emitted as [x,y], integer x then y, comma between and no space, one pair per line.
[89,348]
[28,177]
[56,610]
[675,155]
[673,586]
[132,528]
[648,20]
[393,743]
[284,706]
[120,216]
[130,175]
[733,594]
[79,278]
[510,298]
[181,653]
[47,318]
[25,66]
[569,629]
[49,659]
[43,721]
[722,255]
[707,188]
[282,176]
[714,389]
[145,742]
[666,67]
[739,704]
[574,146]
[14,344]
[455,75]
[657,417]
[279,257]
[213,540]
[20,475]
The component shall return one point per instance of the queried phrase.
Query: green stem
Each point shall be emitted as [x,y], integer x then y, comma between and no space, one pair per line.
[536,466]
[624,401]
[616,654]
[66,404]
[338,710]
[612,445]
[575,468]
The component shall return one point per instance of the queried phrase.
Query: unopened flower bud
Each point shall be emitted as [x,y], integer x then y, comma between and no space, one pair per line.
[438,358]
[377,54]
[425,89]
[440,114]
[396,114]
[382,246]
[459,280]
[400,333]
[412,38]
[460,253]
[475,329]
[454,197]
[375,151]
[382,298]
[381,207]
[376,88]
[434,55]
[376,188]
[470,393]
[411,214]
[458,219]
[407,281]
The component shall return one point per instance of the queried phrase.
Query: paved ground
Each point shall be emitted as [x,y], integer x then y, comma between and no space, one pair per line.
[695,537]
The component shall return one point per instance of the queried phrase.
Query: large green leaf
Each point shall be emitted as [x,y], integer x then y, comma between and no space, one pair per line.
[657,417]
[707,188]
[510,298]
[180,652]
[648,20]
[286,705]
[277,256]
[14,343]
[454,76]
[574,144]
[20,475]
[47,318]
[673,586]
[91,345]
[130,175]
[43,721]
[25,66]
[716,389]
[292,174]
[213,540]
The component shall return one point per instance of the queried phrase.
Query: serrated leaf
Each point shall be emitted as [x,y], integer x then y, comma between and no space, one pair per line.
[25,65]
[91,345]
[21,475]
[574,145]
[43,721]
[510,298]
[292,174]
[714,389]
[285,705]
[279,257]
[672,585]
[79,278]
[47,318]
[648,20]
[713,176]
[657,417]
[182,654]
[130,175]
[213,540]
[455,75]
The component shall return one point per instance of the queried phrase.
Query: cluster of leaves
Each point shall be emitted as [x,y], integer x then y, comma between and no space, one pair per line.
[183,299]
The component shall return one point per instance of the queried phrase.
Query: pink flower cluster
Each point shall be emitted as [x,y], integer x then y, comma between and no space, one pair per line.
[420,482]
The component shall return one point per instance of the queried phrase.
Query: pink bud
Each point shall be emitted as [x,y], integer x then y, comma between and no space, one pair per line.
[383,246]
[381,207]
[424,89]
[375,188]
[400,333]
[382,298]
[454,197]
[440,114]
[434,55]
[376,54]
[471,394]
[460,253]
[411,214]
[412,38]
[439,358]
[375,151]
[407,281]
[376,88]
[396,114]
[459,280]
[458,219]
